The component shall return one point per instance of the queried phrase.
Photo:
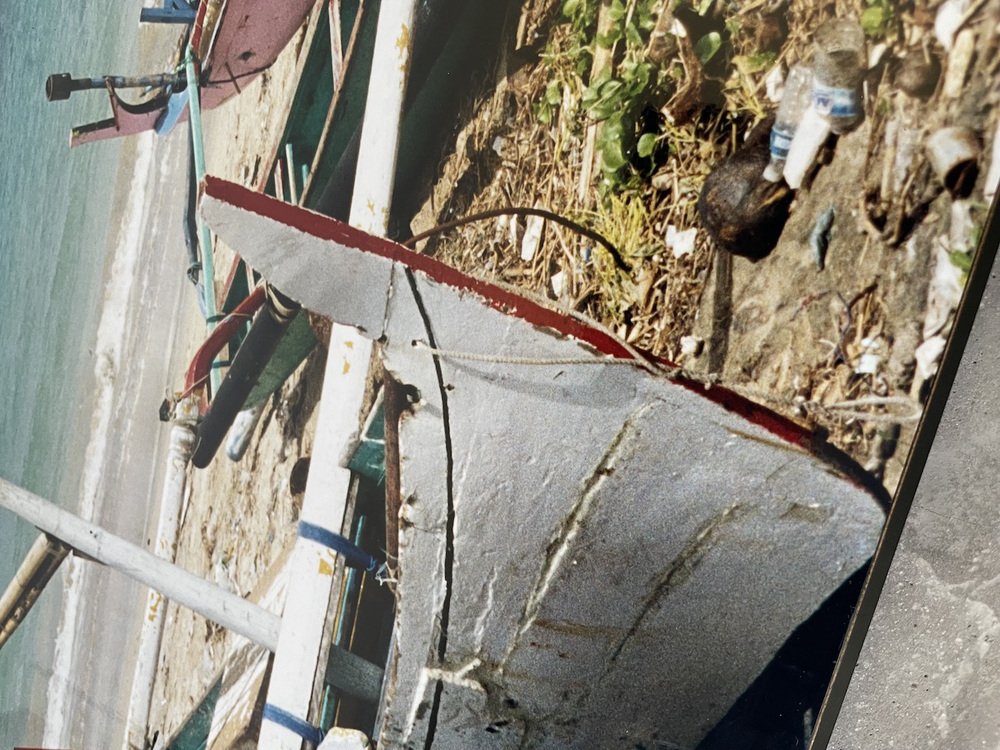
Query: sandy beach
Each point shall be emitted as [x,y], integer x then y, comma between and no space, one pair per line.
[238,518]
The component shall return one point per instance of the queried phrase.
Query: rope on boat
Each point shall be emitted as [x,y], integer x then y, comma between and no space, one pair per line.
[901,408]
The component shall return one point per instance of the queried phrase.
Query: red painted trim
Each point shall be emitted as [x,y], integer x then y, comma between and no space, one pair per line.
[201,362]
[325,228]
[194,41]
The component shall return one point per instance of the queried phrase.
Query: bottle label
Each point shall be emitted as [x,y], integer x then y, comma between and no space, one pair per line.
[781,141]
[835,102]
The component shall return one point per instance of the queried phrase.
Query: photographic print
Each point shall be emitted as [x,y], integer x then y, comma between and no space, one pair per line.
[486,375]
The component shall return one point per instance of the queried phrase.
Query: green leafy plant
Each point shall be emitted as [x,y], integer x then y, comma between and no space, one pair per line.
[878,18]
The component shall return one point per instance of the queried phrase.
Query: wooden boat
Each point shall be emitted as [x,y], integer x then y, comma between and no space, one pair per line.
[245,40]
[592,548]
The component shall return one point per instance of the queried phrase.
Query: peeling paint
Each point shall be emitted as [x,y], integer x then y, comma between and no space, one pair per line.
[403,47]
[155,599]
[458,677]
[487,608]
[403,40]
[326,565]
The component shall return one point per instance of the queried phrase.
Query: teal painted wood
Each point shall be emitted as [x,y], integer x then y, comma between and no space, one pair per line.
[194,732]
[347,107]
[369,457]
[166,15]
[204,236]
[314,95]
[320,135]
[295,345]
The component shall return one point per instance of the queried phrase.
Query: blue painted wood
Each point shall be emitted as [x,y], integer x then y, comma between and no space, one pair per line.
[167,15]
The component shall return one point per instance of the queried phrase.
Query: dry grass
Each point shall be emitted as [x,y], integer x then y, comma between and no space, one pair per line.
[506,157]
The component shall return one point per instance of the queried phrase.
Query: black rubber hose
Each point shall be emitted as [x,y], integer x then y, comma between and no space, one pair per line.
[250,360]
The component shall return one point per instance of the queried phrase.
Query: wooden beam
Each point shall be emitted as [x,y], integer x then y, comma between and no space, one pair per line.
[209,600]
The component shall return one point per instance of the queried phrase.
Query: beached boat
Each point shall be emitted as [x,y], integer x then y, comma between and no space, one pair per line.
[591,547]
[234,40]
[586,553]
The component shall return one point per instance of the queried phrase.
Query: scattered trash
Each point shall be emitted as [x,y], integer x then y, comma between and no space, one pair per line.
[903,139]
[498,144]
[692,346]
[961,227]
[774,84]
[558,282]
[954,156]
[876,53]
[809,138]
[944,292]
[794,102]
[959,60]
[819,237]
[680,242]
[533,226]
[872,353]
[839,64]
[927,355]
[948,20]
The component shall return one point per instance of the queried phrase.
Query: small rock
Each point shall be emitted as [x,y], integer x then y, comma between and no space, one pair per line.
[918,75]
[819,237]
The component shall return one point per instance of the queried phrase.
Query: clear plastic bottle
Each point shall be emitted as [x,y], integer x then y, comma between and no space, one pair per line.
[794,102]
[839,65]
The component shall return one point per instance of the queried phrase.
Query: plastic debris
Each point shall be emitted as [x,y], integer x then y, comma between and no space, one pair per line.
[954,156]
[944,292]
[927,355]
[809,138]
[680,242]
[558,282]
[839,64]
[819,237]
[691,346]
[794,102]
[532,238]
[872,353]
[774,84]
[947,21]
[959,61]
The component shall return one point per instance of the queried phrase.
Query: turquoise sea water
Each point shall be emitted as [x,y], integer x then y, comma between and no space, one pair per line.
[54,240]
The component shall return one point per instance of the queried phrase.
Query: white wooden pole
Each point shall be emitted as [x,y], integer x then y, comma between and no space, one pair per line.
[324,504]
[182,437]
[209,600]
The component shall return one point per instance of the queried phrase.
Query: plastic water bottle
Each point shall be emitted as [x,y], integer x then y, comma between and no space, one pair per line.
[794,102]
[839,65]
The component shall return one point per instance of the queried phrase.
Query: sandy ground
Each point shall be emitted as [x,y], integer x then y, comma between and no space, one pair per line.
[238,517]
